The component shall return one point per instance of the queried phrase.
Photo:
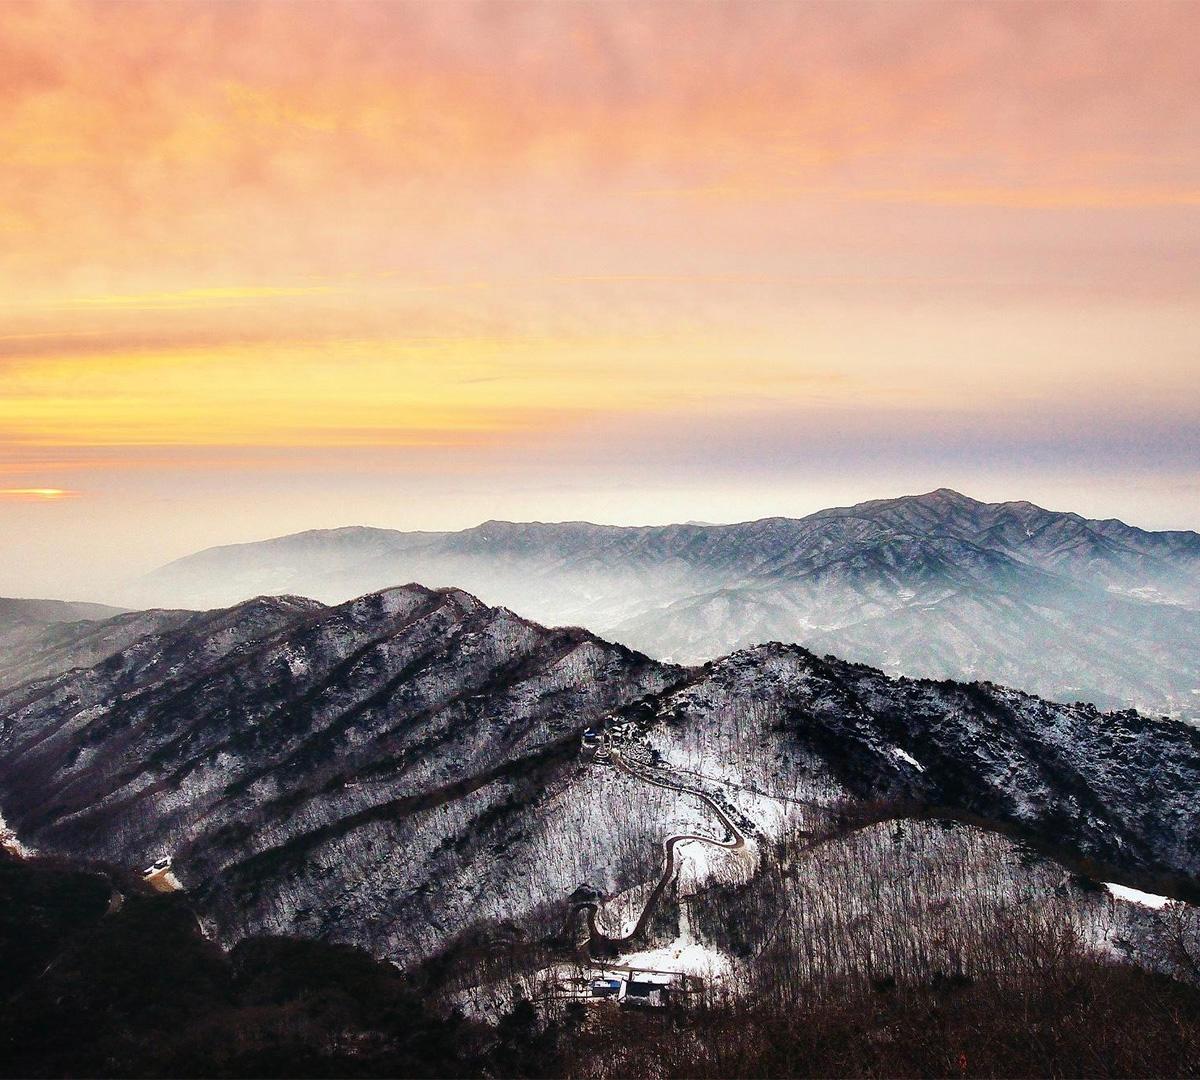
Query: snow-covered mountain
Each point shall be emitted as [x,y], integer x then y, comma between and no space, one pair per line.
[405,768]
[936,585]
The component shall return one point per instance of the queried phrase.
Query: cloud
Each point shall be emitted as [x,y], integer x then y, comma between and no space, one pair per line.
[1022,198]
[457,231]
[213,139]
[190,299]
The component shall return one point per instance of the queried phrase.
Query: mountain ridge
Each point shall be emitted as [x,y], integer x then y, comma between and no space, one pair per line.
[822,580]
[391,770]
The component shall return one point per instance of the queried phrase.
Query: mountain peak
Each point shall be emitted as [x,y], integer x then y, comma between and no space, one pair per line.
[944,496]
[282,603]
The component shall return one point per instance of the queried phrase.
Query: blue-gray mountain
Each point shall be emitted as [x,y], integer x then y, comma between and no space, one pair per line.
[937,586]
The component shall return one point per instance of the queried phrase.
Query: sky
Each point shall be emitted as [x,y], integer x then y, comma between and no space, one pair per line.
[275,266]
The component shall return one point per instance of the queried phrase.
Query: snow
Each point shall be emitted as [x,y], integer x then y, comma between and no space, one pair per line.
[618,916]
[295,659]
[683,956]
[1136,896]
[10,843]
[903,755]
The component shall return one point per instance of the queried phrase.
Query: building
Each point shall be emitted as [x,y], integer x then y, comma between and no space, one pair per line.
[634,988]
[606,988]
[648,988]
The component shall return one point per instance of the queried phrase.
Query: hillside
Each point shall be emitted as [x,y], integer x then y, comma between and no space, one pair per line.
[284,753]
[99,977]
[18,612]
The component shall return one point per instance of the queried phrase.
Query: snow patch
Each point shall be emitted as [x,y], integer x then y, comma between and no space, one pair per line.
[1136,896]
[683,957]
[10,843]
[904,755]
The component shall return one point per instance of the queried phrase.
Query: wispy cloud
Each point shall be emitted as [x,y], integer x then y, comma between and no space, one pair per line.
[198,298]
[1023,198]
[442,231]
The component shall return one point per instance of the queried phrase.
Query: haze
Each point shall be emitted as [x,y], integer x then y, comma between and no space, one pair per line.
[267,267]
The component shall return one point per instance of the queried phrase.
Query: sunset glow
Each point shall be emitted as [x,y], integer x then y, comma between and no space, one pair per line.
[36,494]
[434,262]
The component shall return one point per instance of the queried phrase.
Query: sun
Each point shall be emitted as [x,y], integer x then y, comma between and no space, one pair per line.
[46,494]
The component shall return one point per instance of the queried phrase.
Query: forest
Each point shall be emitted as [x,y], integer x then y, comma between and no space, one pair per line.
[982,962]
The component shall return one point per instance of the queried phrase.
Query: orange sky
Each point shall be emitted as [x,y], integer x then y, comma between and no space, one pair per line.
[418,264]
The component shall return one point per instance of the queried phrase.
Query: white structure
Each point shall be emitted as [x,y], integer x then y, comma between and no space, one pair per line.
[160,876]
[159,866]
[633,987]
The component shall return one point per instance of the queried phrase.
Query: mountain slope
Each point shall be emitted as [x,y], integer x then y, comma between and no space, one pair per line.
[1051,636]
[399,769]
[97,987]
[239,749]
[937,585]
[1055,773]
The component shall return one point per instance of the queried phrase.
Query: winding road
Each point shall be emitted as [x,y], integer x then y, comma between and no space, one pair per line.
[736,840]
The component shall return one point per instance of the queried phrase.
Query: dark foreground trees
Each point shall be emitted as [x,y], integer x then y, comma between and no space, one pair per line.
[86,990]
[94,987]
[1105,1021]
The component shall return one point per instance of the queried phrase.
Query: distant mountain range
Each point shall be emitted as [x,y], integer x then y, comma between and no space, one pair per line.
[44,637]
[403,767]
[936,585]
